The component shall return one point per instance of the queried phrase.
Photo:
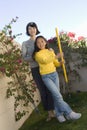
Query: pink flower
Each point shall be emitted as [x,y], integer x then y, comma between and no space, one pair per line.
[19,61]
[71,34]
[75,41]
[80,38]
[2,69]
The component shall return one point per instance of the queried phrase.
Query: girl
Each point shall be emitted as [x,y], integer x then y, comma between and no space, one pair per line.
[27,50]
[47,66]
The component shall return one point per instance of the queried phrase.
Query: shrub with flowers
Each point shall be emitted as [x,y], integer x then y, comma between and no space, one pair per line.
[21,85]
[75,54]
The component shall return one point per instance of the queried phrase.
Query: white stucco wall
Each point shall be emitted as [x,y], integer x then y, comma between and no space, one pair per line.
[7,120]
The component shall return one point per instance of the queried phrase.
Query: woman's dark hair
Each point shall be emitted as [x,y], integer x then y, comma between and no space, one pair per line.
[36,49]
[32,24]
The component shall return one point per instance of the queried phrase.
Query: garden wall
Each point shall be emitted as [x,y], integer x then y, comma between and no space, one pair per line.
[77,84]
[80,85]
[7,118]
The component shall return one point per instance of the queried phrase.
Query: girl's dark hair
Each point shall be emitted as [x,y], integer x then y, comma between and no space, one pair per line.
[36,49]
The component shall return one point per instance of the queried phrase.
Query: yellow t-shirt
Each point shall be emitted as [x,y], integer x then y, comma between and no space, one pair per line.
[47,61]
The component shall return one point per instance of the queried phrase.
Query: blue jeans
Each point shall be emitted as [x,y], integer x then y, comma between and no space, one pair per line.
[46,96]
[52,83]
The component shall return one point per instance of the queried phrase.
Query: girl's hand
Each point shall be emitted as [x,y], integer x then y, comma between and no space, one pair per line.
[62,62]
[59,55]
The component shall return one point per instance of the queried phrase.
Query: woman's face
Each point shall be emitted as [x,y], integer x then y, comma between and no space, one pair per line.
[41,43]
[32,31]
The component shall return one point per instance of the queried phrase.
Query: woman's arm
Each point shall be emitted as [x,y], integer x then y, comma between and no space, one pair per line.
[27,56]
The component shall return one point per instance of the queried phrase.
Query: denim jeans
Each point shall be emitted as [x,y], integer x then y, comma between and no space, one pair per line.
[52,82]
[46,96]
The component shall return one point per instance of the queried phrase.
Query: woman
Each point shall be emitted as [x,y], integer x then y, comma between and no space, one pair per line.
[48,62]
[27,50]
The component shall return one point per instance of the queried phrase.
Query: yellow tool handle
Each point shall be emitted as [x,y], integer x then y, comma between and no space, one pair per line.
[60,49]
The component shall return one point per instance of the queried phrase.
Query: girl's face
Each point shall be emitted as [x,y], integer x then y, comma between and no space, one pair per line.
[41,43]
[32,31]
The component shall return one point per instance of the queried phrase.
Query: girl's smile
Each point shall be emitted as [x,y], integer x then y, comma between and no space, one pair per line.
[41,43]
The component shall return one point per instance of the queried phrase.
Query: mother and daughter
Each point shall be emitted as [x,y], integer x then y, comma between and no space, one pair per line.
[48,62]
[36,52]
